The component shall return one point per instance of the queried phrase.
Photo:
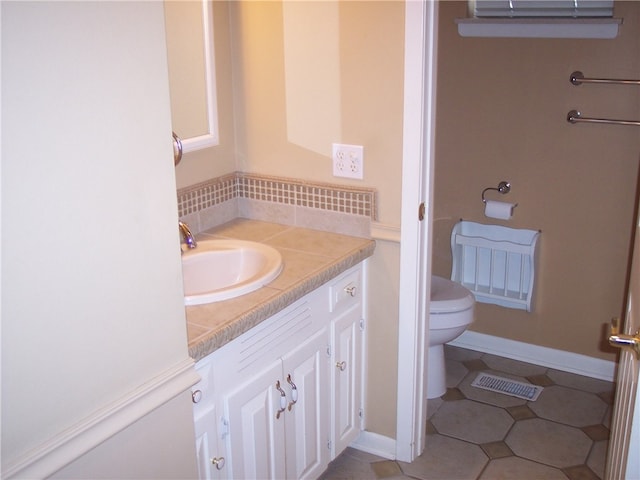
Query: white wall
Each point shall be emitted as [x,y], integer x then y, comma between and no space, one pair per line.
[93,324]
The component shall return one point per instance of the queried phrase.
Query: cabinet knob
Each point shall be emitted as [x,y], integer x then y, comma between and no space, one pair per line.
[351,290]
[218,462]
[196,396]
[341,366]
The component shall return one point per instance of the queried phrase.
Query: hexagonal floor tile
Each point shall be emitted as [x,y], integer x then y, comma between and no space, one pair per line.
[513,467]
[446,458]
[472,421]
[562,446]
[455,372]
[580,382]
[597,457]
[569,406]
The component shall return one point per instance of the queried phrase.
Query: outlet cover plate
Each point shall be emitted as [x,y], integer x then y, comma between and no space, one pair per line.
[348,161]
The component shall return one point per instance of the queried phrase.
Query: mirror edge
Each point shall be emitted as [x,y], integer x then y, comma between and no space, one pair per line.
[211,138]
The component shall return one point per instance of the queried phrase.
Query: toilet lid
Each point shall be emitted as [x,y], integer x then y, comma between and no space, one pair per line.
[448,296]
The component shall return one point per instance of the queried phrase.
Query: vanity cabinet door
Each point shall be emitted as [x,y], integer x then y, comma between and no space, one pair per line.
[209,456]
[278,420]
[306,375]
[255,412]
[211,463]
[346,379]
[346,305]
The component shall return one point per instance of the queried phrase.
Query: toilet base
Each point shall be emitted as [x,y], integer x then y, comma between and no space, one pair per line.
[436,379]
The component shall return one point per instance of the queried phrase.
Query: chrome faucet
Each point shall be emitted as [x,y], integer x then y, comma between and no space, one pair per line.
[186,235]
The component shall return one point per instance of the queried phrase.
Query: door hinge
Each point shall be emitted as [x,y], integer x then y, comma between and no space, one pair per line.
[224,427]
[329,444]
[421,211]
[329,352]
[362,324]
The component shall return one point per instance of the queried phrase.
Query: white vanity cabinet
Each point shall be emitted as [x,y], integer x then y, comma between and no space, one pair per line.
[284,398]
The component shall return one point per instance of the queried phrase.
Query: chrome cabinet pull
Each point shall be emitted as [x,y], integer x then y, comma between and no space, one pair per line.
[283,400]
[294,392]
[341,366]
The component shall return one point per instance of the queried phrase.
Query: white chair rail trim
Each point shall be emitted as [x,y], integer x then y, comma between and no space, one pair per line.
[384,231]
[78,439]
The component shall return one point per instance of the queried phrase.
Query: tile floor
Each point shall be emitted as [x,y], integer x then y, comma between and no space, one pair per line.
[478,434]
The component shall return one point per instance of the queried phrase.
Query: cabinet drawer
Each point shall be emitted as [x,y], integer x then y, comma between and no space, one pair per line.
[346,291]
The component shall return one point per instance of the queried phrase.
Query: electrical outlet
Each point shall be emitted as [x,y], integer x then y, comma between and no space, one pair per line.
[348,161]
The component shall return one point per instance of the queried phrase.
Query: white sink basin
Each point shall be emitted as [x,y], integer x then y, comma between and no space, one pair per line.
[221,269]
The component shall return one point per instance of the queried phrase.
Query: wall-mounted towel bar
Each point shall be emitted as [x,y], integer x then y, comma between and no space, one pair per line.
[574,116]
[577,78]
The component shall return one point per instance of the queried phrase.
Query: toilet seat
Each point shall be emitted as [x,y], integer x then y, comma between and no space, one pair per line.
[449,297]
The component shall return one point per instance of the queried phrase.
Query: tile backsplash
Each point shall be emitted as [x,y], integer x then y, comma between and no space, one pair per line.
[321,206]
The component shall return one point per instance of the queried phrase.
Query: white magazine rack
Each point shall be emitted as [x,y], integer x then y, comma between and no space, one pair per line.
[498,264]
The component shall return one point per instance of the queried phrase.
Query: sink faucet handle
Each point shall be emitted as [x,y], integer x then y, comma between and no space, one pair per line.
[187,236]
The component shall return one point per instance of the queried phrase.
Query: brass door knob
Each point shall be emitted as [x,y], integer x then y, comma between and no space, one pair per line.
[620,340]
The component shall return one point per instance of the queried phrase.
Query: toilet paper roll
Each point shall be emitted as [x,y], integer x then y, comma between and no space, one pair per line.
[500,210]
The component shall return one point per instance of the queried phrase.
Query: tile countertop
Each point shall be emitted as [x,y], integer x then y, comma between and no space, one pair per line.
[311,258]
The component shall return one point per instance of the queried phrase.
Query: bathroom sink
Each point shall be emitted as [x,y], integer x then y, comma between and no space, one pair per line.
[222,269]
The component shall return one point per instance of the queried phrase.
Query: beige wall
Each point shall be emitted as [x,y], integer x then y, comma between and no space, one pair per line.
[152,448]
[256,135]
[501,112]
[367,87]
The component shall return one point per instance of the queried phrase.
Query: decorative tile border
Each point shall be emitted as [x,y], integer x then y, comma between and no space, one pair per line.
[286,191]
[207,194]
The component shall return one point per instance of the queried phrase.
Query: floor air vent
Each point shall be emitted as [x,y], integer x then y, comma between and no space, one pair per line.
[526,391]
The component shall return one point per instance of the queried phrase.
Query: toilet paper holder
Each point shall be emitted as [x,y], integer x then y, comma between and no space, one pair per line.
[503,188]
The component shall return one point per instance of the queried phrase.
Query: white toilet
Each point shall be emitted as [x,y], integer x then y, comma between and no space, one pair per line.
[450,314]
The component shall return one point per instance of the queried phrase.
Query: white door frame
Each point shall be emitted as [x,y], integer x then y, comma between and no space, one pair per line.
[416,236]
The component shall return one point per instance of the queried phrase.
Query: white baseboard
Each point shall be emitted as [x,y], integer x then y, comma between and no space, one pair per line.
[376,444]
[70,444]
[537,355]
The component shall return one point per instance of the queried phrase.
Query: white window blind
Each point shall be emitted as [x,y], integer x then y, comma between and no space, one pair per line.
[541,8]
